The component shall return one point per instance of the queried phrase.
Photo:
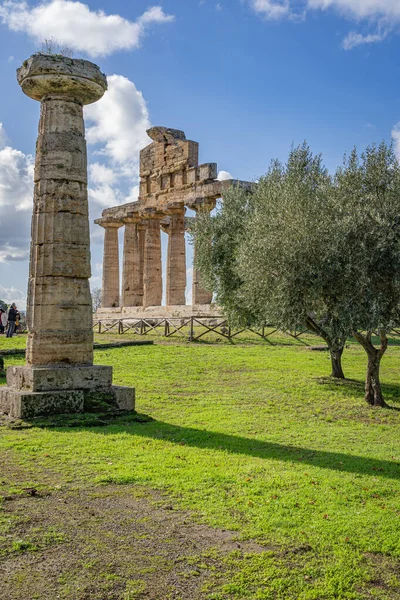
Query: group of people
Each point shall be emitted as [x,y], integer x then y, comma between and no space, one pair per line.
[9,320]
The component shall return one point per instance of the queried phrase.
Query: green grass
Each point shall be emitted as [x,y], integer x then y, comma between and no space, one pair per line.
[255,439]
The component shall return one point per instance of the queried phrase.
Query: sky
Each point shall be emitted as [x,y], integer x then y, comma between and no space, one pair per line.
[244,78]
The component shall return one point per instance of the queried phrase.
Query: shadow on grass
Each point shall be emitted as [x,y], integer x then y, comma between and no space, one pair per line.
[144,426]
[356,388]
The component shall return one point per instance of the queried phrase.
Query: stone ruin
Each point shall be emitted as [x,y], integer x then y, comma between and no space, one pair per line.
[171,180]
[59,376]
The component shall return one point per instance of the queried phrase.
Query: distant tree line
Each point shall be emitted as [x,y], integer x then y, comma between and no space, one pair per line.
[307,247]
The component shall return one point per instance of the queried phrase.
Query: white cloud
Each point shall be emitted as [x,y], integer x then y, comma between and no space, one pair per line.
[354,39]
[116,128]
[383,14]
[13,294]
[119,121]
[101,174]
[361,9]
[271,9]
[224,176]
[16,192]
[74,25]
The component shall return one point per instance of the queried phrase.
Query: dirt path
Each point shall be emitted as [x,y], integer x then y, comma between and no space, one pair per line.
[108,542]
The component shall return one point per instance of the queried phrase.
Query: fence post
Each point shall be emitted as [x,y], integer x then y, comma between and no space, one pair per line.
[191,330]
[120,327]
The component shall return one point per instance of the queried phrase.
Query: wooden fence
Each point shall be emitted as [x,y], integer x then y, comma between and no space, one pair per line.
[190,328]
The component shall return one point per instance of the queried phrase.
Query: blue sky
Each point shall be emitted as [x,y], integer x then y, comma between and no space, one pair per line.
[245,78]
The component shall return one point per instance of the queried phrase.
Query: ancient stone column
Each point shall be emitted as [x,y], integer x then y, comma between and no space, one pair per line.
[176,258]
[199,294]
[152,269]
[60,376]
[132,281]
[110,289]
[142,226]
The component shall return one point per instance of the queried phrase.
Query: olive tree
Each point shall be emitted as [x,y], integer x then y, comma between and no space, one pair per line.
[367,192]
[269,260]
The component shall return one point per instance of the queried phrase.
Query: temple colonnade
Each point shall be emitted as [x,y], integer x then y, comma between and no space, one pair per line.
[142,284]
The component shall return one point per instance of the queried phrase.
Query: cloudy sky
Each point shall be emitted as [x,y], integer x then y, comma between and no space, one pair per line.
[245,78]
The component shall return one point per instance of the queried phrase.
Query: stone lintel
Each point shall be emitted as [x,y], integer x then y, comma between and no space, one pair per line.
[45,379]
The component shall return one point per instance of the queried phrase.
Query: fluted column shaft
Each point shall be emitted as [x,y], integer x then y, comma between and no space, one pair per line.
[152,271]
[132,282]
[199,294]
[110,289]
[59,303]
[176,260]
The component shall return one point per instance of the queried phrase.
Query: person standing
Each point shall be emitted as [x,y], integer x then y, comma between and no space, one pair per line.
[13,316]
[3,320]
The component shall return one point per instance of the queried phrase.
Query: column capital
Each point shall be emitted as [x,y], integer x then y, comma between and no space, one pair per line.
[202,204]
[44,75]
[109,223]
[131,217]
[175,208]
[152,213]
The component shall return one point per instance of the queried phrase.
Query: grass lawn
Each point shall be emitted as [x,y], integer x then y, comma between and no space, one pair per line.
[258,478]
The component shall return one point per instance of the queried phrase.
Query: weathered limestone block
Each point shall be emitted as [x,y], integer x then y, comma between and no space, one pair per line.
[132,277]
[44,379]
[27,405]
[110,290]
[176,259]
[60,197]
[152,273]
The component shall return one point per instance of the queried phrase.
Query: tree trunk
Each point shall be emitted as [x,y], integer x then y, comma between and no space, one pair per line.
[335,352]
[373,390]
[336,361]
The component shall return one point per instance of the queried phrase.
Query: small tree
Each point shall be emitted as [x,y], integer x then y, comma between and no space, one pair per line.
[270,257]
[96,299]
[368,227]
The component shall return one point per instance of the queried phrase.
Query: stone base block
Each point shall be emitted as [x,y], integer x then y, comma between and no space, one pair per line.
[42,391]
[46,379]
[116,397]
[26,405]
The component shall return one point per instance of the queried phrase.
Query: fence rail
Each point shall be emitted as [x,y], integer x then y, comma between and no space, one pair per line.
[190,328]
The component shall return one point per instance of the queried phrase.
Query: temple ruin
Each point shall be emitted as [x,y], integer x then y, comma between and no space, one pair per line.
[171,180]
[59,376]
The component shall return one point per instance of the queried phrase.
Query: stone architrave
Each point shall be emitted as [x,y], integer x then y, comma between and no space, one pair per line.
[110,287]
[132,276]
[59,376]
[152,267]
[176,257]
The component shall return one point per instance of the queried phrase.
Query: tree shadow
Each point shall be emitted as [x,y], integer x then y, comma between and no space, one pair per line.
[354,387]
[203,439]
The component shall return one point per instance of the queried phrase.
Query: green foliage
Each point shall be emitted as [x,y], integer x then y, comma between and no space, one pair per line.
[367,196]
[306,247]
